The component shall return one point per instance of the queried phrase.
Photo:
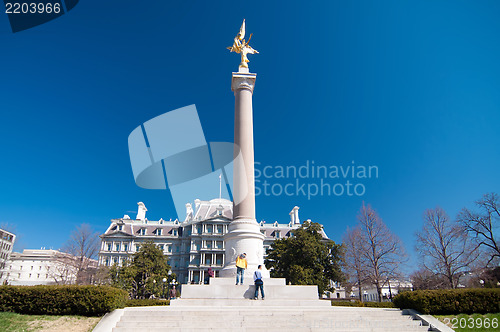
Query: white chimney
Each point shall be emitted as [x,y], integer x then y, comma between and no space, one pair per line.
[189,212]
[294,215]
[141,211]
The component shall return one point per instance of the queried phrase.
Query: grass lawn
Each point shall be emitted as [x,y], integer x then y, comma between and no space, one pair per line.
[472,323]
[11,322]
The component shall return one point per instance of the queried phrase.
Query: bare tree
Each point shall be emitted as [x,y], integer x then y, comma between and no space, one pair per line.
[481,225]
[62,268]
[444,247]
[353,263]
[84,245]
[382,251]
[424,279]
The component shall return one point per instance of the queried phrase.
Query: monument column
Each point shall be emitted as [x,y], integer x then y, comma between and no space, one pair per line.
[243,234]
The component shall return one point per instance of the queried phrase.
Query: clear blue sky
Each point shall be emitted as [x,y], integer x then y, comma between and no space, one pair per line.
[409,86]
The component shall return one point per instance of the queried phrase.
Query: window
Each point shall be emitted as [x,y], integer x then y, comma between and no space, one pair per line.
[125,247]
[21,267]
[109,246]
[277,234]
[219,229]
[169,249]
[174,232]
[40,267]
[32,268]
[117,247]
[198,229]
[29,276]
[176,249]
[142,231]
[209,228]
[158,231]
[137,247]
[107,261]
[115,260]
[120,227]
[38,275]
[162,247]
[219,244]
[209,244]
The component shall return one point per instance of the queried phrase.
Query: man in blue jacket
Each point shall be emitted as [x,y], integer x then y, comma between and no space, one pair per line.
[259,283]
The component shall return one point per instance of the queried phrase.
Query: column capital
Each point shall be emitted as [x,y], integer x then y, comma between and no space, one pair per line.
[243,81]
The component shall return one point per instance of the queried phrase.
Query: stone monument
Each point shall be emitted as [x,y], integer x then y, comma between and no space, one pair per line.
[244,234]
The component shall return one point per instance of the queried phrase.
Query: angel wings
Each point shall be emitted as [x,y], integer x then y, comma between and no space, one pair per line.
[241,46]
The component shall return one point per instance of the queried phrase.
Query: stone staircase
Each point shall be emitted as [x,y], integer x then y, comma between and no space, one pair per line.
[223,306]
[262,316]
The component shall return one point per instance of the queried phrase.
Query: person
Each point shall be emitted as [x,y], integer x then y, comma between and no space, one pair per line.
[210,274]
[241,265]
[259,283]
[173,293]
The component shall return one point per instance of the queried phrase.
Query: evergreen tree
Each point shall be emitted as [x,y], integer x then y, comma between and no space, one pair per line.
[306,258]
[142,275]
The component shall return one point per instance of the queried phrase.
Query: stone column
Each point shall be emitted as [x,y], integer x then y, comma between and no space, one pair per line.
[244,234]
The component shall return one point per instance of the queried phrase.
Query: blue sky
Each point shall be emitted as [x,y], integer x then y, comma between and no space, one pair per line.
[408,86]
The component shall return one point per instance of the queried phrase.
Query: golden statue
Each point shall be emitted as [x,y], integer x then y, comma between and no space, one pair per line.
[241,46]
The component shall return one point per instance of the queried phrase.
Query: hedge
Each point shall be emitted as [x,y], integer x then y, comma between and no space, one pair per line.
[358,303]
[61,300]
[451,301]
[146,302]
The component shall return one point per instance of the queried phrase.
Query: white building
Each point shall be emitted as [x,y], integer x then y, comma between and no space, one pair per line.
[192,245]
[7,240]
[41,267]
[389,289]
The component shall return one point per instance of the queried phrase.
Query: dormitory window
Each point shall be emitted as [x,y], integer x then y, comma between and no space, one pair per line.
[277,234]
[142,231]
[158,231]
[174,232]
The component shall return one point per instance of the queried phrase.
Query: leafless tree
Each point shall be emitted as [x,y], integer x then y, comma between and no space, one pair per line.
[84,245]
[353,263]
[62,269]
[444,247]
[425,279]
[482,225]
[382,251]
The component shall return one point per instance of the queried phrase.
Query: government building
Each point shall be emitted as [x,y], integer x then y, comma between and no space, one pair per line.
[192,245]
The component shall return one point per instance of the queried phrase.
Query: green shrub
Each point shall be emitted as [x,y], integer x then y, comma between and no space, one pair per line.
[358,303]
[146,302]
[451,301]
[61,300]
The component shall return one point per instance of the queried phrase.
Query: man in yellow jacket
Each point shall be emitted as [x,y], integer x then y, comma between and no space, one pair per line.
[241,265]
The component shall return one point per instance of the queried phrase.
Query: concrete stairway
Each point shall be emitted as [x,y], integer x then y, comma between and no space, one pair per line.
[250,315]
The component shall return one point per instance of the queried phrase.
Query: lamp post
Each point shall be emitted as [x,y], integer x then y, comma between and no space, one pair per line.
[481,282]
[390,293]
[164,281]
[154,287]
